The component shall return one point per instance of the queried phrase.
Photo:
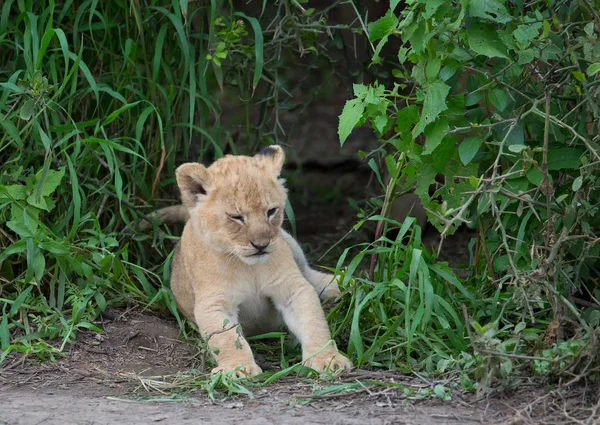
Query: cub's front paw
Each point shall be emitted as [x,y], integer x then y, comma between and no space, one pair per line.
[238,371]
[329,362]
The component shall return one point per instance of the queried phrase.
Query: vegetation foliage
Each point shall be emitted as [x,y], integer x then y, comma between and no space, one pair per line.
[487,109]
[492,118]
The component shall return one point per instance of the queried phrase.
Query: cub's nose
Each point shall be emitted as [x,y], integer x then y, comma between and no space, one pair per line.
[260,246]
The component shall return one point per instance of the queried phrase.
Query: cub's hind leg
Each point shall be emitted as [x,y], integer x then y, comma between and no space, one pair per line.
[325,284]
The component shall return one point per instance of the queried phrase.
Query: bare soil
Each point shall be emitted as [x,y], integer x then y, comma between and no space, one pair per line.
[101,380]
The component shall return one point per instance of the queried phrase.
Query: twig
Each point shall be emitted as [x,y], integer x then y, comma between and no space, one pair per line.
[325,396]
[558,122]
[384,211]
[161,164]
[523,357]
[468,326]
[362,24]
[545,186]
[486,253]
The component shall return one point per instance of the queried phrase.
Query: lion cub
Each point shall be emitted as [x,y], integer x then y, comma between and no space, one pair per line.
[235,264]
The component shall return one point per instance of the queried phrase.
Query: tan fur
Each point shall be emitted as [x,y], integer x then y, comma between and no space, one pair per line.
[221,277]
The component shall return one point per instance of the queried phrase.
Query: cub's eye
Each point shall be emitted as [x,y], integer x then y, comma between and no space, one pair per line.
[238,218]
[271,212]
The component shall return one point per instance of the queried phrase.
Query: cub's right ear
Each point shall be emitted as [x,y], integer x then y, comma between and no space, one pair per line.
[194,181]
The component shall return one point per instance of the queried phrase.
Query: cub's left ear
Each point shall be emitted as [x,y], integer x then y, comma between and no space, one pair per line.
[273,158]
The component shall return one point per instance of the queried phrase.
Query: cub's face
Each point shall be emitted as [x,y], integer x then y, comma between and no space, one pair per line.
[236,205]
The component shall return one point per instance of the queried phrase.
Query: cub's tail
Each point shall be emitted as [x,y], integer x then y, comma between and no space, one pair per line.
[168,215]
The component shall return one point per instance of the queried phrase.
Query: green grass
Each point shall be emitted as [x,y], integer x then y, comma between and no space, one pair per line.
[93,110]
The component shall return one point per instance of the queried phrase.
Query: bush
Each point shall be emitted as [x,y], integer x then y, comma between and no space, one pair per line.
[491,115]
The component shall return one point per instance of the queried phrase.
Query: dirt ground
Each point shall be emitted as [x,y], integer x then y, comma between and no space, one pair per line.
[111,378]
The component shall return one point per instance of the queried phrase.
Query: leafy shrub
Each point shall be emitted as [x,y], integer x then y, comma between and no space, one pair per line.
[493,108]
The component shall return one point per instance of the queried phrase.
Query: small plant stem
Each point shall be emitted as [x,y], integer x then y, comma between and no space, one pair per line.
[430,45]
[389,192]
[297,33]
[549,237]
[522,356]
[574,132]
[247,116]
[545,186]
[468,326]
[483,244]
[362,24]
[161,164]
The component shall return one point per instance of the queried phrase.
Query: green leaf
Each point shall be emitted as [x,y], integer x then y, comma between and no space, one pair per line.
[484,40]
[432,68]
[526,56]
[88,76]
[517,148]
[444,152]
[12,132]
[376,58]
[390,164]
[439,391]
[469,148]
[40,202]
[52,181]
[393,4]
[431,6]
[402,52]
[499,99]
[39,265]
[515,137]
[383,26]
[20,300]
[258,48]
[427,175]
[579,76]
[115,114]
[434,133]
[474,181]
[380,123]
[527,32]
[593,69]
[27,110]
[17,192]
[564,158]
[406,118]
[4,332]
[375,94]
[492,10]
[351,115]
[535,176]
[373,165]
[577,183]
[19,229]
[360,90]
[448,71]
[434,103]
